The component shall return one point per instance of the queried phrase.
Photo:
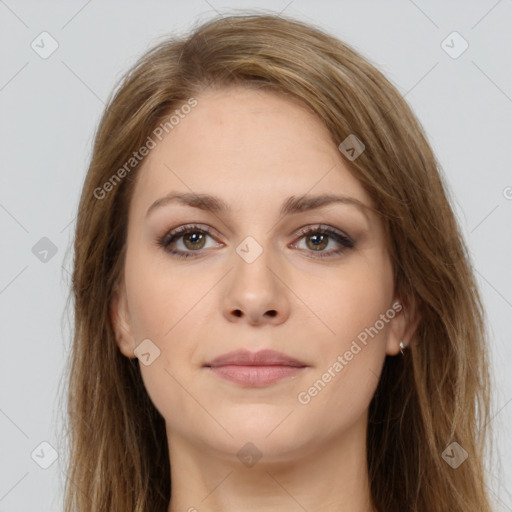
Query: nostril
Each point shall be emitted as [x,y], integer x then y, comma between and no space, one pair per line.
[272,312]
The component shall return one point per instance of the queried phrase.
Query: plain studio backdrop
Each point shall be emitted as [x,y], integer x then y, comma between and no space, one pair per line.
[60,60]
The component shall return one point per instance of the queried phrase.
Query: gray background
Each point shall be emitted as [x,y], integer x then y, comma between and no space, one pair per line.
[50,109]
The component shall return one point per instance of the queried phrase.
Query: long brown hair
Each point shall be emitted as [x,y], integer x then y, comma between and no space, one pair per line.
[436,395]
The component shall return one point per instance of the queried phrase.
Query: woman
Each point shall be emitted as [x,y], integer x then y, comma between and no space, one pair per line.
[274,306]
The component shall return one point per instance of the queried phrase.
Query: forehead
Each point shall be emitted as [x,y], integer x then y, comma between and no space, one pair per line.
[246,145]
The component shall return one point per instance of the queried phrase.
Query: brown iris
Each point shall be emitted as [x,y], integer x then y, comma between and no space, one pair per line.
[194,240]
[323,240]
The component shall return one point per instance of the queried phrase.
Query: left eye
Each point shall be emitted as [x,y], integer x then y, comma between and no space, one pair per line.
[317,239]
[193,239]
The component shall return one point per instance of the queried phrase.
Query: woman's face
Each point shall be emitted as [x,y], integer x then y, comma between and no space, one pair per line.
[253,272]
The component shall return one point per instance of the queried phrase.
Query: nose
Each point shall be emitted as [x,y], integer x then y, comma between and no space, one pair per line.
[256,292]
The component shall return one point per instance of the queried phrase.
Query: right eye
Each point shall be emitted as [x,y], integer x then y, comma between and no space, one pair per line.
[193,240]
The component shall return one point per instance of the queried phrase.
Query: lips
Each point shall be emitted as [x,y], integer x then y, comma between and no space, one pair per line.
[255,369]
[260,358]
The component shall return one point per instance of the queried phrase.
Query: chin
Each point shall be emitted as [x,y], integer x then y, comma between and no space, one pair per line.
[274,432]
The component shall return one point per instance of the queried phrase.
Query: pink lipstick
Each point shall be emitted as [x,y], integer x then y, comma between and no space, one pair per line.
[255,369]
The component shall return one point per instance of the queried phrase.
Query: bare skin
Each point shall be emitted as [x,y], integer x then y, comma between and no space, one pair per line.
[253,150]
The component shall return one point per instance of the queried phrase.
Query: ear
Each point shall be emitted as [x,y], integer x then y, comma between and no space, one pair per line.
[121,322]
[403,325]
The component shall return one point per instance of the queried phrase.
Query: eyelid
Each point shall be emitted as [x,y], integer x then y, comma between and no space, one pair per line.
[306,228]
[319,227]
[344,241]
[185,228]
[180,231]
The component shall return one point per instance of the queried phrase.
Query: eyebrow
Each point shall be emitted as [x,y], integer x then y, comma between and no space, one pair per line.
[294,204]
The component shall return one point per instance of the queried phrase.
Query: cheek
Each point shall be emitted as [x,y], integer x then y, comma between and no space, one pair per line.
[159,293]
[349,363]
[164,307]
[352,301]
[169,393]
[351,351]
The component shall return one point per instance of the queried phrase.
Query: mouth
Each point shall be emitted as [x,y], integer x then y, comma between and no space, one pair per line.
[255,369]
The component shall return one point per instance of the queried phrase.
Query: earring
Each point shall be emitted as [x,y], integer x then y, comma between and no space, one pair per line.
[402,347]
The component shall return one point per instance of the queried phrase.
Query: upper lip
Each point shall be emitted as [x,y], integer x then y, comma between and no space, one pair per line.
[259,358]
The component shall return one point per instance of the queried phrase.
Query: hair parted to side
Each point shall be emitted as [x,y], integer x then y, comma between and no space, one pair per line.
[437,394]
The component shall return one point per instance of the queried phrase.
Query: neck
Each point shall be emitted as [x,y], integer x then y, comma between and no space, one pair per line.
[331,476]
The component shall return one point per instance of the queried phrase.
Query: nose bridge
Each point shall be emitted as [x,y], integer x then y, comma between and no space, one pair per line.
[256,291]
[253,261]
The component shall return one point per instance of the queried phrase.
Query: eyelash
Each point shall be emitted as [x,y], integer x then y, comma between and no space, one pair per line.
[170,237]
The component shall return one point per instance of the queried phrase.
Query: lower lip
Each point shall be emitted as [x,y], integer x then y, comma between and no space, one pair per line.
[255,375]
